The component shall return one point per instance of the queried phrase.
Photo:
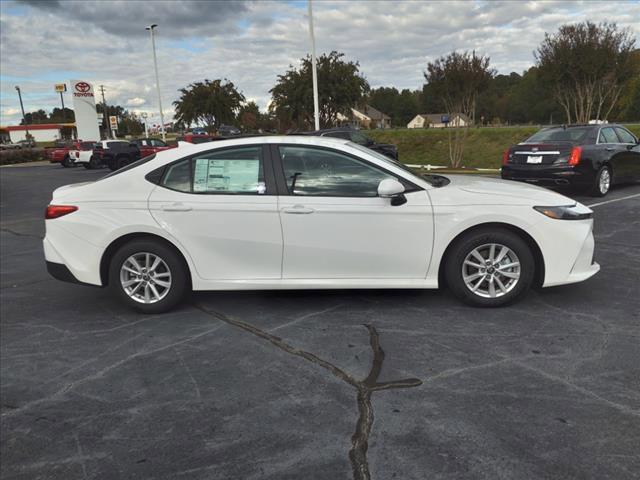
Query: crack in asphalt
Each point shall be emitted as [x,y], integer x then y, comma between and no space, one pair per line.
[18,234]
[364,388]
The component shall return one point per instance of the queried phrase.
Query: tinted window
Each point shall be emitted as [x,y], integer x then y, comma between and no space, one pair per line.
[360,138]
[625,136]
[178,176]
[233,171]
[86,145]
[237,171]
[319,172]
[607,135]
[344,135]
[135,164]
[157,143]
[560,135]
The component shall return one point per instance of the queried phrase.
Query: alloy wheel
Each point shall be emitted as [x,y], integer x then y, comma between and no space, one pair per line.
[145,277]
[491,270]
[604,182]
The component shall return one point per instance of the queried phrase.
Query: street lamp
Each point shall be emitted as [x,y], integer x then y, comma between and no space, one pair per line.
[151,29]
[314,72]
[24,118]
[146,131]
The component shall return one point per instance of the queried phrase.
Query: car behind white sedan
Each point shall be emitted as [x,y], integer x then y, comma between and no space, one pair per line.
[309,212]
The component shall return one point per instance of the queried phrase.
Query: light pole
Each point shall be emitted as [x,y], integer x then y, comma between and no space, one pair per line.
[146,131]
[24,118]
[314,72]
[151,29]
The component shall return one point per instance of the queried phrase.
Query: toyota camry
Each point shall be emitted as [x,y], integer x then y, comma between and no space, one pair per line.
[301,212]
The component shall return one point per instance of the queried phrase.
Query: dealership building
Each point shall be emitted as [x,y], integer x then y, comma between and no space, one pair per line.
[42,132]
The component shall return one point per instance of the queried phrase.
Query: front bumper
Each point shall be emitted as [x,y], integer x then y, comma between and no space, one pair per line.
[547,175]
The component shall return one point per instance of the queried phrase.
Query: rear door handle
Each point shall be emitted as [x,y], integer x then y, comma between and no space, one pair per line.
[176,207]
[609,149]
[298,209]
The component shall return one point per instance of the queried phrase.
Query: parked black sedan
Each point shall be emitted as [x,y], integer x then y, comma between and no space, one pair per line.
[593,157]
[358,137]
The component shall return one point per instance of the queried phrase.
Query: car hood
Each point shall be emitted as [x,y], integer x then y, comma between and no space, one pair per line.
[487,190]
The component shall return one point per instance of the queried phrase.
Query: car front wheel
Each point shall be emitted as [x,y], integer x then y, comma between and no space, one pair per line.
[490,268]
[148,276]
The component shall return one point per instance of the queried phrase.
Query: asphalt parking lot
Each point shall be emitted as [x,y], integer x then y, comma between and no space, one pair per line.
[295,385]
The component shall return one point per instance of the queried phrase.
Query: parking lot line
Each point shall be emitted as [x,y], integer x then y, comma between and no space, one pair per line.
[614,200]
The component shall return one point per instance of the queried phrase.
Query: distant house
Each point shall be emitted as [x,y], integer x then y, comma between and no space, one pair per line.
[366,117]
[437,120]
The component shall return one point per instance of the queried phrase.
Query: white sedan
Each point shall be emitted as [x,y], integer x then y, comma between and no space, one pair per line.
[306,213]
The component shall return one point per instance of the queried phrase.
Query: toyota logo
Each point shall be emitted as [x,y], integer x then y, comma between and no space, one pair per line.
[83,87]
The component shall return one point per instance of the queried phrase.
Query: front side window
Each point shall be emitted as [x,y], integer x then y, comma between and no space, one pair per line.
[320,172]
[157,143]
[607,135]
[237,171]
[625,136]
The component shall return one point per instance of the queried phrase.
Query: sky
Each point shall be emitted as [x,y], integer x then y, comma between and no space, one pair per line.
[252,42]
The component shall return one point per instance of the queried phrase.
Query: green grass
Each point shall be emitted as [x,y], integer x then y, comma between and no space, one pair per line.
[483,149]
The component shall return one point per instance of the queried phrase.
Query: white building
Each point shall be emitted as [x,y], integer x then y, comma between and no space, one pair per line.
[43,132]
[437,120]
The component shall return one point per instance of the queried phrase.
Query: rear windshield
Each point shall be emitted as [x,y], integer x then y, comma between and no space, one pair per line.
[560,134]
[86,145]
[135,164]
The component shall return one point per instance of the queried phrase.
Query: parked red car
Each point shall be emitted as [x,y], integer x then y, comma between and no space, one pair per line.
[197,138]
[149,146]
[60,152]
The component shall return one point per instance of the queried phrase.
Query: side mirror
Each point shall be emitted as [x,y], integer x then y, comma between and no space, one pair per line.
[393,189]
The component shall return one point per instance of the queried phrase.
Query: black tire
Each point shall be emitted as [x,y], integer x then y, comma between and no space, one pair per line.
[598,189]
[87,165]
[113,164]
[94,162]
[463,247]
[66,161]
[180,283]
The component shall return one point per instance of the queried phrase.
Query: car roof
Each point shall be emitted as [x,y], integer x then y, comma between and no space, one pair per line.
[250,140]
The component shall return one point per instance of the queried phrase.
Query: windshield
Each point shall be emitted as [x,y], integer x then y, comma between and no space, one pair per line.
[559,134]
[388,161]
[135,164]
[360,139]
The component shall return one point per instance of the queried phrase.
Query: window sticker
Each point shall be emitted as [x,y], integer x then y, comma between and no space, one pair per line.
[234,176]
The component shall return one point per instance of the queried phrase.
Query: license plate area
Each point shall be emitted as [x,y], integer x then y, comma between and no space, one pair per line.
[534,159]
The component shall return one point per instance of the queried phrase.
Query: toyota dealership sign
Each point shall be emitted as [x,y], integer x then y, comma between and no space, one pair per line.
[84,105]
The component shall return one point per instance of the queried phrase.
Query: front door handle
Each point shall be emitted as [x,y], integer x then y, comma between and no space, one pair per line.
[609,149]
[298,209]
[176,207]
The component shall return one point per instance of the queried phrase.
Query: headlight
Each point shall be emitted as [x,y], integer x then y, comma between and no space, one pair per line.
[566,212]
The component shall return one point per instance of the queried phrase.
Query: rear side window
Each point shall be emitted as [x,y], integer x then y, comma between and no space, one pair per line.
[625,136]
[607,135]
[237,171]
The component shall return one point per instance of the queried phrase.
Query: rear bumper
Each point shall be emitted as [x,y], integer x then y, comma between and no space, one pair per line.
[547,175]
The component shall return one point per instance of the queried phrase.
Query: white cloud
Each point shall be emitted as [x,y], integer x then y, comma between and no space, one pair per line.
[135,102]
[251,43]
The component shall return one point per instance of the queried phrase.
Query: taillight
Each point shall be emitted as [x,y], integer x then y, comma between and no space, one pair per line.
[505,157]
[574,158]
[56,211]
[77,154]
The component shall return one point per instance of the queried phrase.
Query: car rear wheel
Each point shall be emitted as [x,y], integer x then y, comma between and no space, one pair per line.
[66,161]
[148,276]
[94,162]
[490,268]
[602,182]
[87,165]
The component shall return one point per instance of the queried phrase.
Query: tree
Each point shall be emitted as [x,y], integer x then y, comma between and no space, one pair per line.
[248,116]
[586,64]
[457,79]
[39,116]
[340,87]
[211,103]
[400,106]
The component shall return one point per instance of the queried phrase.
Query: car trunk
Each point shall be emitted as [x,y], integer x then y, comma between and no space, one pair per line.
[540,153]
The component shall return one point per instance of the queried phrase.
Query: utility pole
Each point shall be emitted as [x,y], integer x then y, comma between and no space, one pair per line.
[151,29]
[314,71]
[105,114]
[24,118]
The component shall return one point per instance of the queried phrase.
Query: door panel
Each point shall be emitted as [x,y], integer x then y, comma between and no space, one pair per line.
[216,205]
[335,225]
[332,237]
